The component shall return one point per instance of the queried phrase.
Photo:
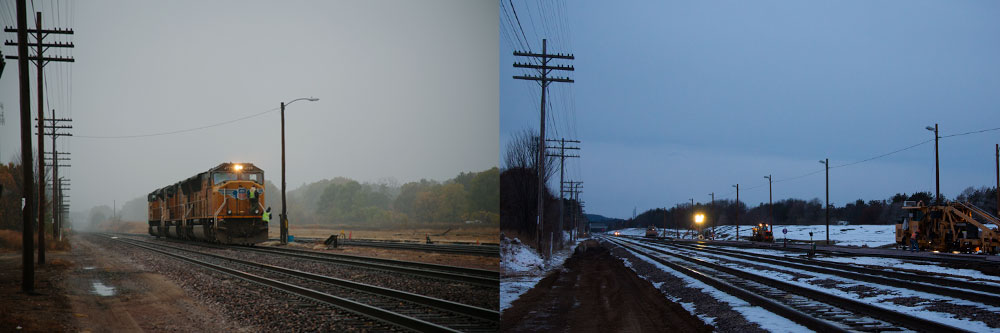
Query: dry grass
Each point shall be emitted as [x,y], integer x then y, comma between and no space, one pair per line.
[11,240]
[130,227]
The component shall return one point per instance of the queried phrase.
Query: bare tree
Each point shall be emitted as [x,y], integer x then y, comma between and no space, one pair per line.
[522,152]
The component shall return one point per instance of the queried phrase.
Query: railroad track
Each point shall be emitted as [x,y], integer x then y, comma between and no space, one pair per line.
[403,309]
[450,273]
[963,259]
[480,277]
[813,309]
[971,291]
[479,250]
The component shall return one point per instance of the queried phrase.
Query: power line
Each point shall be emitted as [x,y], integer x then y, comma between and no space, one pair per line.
[177,131]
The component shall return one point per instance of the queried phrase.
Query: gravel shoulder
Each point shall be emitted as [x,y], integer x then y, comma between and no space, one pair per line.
[141,300]
[595,292]
[67,300]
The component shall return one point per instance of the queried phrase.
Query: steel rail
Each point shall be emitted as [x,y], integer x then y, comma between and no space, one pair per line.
[482,250]
[464,309]
[480,277]
[792,314]
[343,303]
[901,319]
[450,273]
[896,279]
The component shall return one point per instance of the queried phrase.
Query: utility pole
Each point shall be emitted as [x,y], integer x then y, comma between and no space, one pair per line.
[40,61]
[997,190]
[711,211]
[27,212]
[573,190]
[770,205]
[937,165]
[543,80]
[53,130]
[737,186]
[826,162]
[562,168]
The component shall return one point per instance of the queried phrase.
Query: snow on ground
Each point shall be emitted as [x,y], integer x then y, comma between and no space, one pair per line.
[849,235]
[878,300]
[756,314]
[887,263]
[521,267]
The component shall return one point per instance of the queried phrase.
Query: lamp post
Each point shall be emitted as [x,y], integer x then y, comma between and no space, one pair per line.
[737,186]
[770,204]
[283,219]
[937,169]
[826,162]
[711,210]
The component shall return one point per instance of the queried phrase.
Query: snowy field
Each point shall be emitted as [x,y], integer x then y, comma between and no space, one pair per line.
[521,267]
[849,235]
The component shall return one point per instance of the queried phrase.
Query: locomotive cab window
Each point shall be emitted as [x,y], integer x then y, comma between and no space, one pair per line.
[222,177]
[255,177]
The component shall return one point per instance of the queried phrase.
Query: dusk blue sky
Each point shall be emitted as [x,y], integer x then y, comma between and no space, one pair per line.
[677,99]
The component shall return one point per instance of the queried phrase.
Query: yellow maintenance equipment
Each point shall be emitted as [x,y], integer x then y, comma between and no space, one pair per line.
[950,227]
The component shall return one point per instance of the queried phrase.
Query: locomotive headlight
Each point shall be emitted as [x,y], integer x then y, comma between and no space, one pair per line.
[256,211]
[230,212]
[237,167]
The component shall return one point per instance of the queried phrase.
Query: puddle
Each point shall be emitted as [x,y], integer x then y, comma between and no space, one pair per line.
[89,268]
[103,290]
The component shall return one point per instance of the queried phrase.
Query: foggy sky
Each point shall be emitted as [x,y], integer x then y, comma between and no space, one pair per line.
[678,99]
[407,89]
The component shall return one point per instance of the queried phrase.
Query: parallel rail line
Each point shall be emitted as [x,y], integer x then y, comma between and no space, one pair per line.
[928,284]
[407,310]
[811,308]
[474,276]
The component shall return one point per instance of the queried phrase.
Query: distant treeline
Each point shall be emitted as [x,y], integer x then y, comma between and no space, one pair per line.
[797,211]
[470,196]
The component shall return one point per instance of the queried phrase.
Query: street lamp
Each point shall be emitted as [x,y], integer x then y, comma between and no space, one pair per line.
[770,203]
[283,219]
[937,170]
[737,186]
[826,162]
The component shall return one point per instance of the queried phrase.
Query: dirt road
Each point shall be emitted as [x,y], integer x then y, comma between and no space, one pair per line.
[90,289]
[595,292]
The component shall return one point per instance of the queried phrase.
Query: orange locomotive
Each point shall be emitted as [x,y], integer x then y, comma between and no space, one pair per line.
[222,205]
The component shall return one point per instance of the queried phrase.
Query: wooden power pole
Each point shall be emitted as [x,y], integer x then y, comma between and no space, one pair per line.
[562,168]
[40,61]
[27,211]
[52,130]
[543,80]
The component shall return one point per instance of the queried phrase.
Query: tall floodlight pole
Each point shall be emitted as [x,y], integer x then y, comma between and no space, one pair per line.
[826,162]
[283,219]
[737,186]
[770,205]
[937,166]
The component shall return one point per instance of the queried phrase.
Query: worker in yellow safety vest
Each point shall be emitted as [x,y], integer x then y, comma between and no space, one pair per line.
[266,217]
